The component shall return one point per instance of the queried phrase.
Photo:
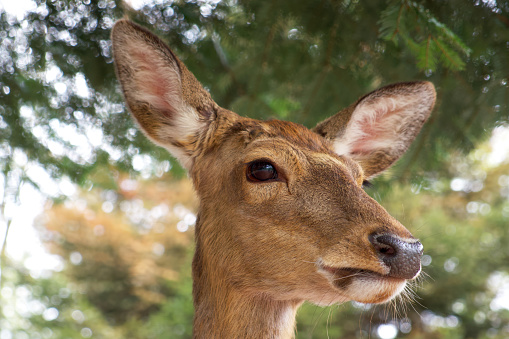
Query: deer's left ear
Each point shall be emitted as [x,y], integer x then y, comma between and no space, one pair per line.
[170,105]
[378,129]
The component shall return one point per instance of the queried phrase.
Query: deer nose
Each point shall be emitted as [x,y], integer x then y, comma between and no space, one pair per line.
[403,257]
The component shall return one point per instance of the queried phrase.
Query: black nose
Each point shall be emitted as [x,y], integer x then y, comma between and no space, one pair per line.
[402,256]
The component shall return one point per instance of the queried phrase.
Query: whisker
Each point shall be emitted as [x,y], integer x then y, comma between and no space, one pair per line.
[360,323]
[321,313]
[309,262]
[417,228]
[348,276]
[432,235]
[328,319]
[424,276]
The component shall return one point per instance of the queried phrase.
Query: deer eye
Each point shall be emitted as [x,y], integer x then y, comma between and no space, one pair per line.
[261,171]
[366,184]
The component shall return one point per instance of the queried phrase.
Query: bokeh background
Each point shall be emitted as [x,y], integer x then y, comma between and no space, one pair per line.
[96,224]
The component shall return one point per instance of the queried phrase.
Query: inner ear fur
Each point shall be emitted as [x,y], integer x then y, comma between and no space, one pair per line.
[164,97]
[380,127]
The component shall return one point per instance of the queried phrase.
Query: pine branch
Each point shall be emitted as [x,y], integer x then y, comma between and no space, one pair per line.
[241,90]
[314,91]
[265,54]
[390,22]
[398,21]
[427,59]
[449,55]
[430,41]
[8,224]
[325,70]
[451,37]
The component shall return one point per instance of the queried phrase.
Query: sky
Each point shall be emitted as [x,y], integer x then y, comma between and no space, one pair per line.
[17,8]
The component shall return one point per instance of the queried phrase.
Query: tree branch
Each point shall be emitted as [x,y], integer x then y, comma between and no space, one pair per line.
[265,56]
[444,52]
[323,73]
[8,223]
[225,64]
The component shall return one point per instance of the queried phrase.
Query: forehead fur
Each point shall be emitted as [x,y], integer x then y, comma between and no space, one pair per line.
[295,134]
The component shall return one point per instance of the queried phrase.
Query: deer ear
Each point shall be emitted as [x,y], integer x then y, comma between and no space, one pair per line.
[379,127]
[169,104]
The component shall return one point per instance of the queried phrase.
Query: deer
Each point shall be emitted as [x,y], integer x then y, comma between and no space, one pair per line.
[283,216]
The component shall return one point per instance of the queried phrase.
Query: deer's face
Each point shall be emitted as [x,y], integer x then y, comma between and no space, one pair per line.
[291,217]
[282,211]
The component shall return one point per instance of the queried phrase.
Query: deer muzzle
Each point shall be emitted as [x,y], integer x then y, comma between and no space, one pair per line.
[402,256]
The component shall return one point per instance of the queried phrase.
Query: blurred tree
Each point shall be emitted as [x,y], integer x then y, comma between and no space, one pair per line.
[303,59]
[126,259]
[122,247]
[48,307]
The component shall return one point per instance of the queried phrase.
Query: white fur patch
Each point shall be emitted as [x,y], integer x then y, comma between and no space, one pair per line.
[375,125]
[185,127]
[286,320]
[364,289]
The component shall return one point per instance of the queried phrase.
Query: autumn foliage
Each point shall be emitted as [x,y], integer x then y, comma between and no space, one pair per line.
[120,247]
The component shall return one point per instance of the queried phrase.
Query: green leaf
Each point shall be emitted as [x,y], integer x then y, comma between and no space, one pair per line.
[448,56]
[390,22]
[429,40]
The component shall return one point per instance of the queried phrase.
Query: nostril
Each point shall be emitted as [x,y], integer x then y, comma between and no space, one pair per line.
[384,249]
[402,256]
[383,244]
[387,250]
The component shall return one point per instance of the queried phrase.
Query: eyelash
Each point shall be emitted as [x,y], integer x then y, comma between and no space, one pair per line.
[366,184]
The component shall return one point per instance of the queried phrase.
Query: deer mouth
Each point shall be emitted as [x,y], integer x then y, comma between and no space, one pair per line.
[343,277]
[362,285]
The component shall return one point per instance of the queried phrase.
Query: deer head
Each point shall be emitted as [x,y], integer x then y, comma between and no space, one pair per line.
[283,215]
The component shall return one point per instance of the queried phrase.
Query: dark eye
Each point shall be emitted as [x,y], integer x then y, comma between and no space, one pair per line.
[366,184]
[261,171]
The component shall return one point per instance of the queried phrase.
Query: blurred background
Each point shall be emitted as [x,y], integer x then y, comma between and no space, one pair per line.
[96,223]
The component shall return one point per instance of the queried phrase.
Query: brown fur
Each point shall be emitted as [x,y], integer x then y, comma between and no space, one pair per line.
[262,248]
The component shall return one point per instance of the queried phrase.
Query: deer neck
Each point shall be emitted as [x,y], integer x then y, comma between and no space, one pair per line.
[222,310]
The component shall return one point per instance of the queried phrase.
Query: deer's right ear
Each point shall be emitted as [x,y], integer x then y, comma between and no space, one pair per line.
[377,129]
[167,101]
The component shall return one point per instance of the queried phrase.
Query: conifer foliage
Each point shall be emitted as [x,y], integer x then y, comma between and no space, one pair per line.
[431,41]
